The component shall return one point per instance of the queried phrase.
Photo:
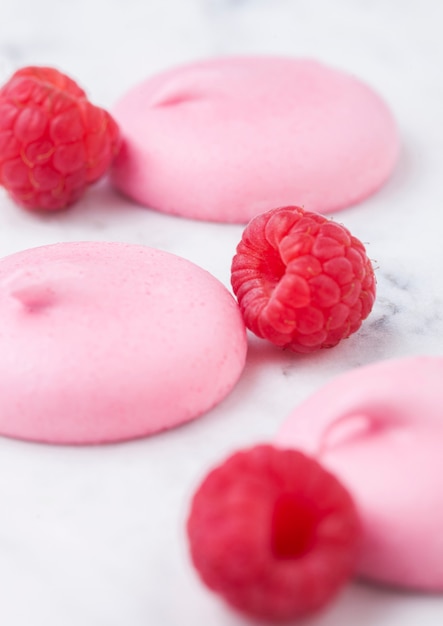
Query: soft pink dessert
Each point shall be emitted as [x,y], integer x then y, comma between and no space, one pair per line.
[107,341]
[379,429]
[226,139]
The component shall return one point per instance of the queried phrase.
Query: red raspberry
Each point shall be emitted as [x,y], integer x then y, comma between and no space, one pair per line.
[302,281]
[274,533]
[53,142]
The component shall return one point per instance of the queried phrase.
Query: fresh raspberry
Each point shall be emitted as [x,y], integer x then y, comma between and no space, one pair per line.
[53,142]
[274,533]
[302,281]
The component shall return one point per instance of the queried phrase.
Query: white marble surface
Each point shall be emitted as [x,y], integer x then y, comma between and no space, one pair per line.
[95,536]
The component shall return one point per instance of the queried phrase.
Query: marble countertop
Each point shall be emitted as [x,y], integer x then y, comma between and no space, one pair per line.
[95,536]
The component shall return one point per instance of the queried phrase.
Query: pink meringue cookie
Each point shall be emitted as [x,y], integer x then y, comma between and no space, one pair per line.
[103,342]
[379,429]
[227,139]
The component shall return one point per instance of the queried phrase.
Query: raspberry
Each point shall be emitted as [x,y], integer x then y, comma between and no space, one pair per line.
[53,142]
[274,533]
[301,280]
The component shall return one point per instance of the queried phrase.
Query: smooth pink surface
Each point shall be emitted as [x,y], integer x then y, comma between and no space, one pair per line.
[379,428]
[107,341]
[226,139]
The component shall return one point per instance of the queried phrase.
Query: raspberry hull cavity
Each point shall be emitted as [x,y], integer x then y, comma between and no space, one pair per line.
[53,141]
[227,139]
[302,281]
[110,341]
[274,533]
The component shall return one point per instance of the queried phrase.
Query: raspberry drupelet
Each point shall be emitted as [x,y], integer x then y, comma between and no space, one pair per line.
[274,533]
[302,281]
[53,141]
